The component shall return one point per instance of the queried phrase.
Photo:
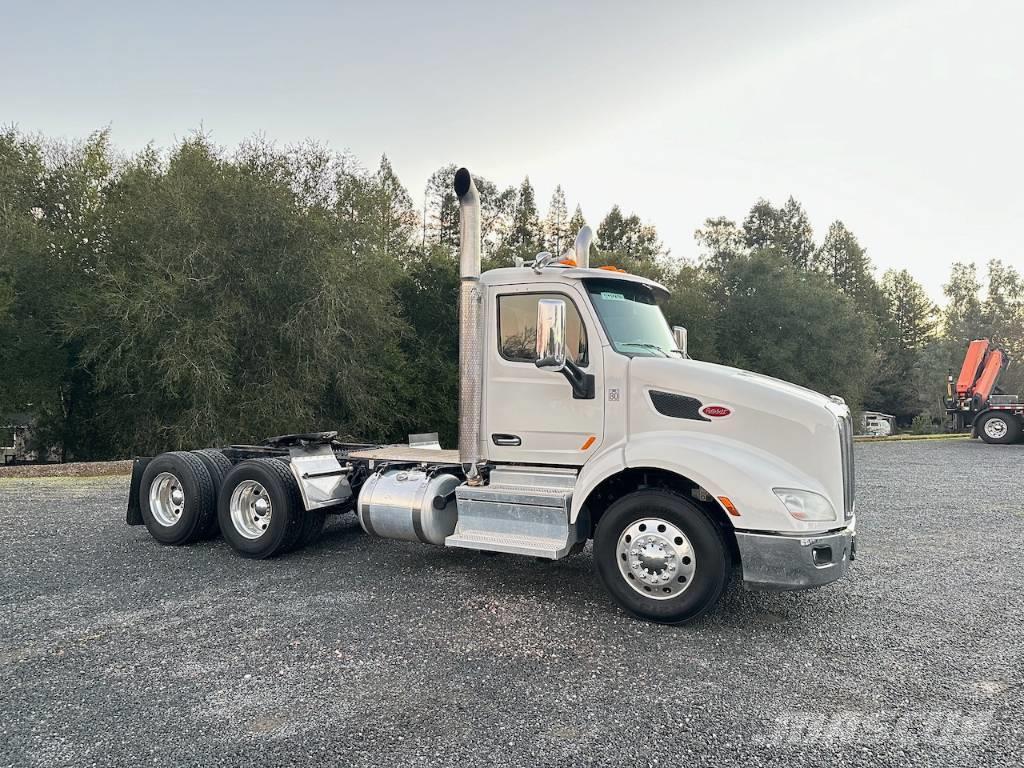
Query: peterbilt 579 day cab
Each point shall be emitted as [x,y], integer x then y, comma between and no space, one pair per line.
[580,417]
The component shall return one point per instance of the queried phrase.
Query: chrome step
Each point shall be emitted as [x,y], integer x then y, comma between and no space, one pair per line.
[514,544]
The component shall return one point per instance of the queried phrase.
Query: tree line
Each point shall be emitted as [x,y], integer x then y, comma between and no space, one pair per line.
[199,296]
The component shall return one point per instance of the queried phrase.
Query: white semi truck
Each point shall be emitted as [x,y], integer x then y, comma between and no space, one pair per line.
[580,417]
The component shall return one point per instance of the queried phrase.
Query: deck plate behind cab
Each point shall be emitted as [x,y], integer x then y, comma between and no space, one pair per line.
[405,453]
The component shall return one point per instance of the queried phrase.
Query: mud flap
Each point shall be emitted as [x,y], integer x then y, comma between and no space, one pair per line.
[134,515]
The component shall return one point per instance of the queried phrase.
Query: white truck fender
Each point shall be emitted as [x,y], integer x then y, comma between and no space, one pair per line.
[721,466]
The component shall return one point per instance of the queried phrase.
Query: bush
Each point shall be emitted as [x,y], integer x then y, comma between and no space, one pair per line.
[924,424]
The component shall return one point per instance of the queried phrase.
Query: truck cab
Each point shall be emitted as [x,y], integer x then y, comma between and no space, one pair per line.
[581,418]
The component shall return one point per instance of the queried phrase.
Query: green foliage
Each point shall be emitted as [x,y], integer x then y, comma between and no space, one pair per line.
[785,230]
[633,241]
[963,320]
[576,223]
[899,386]
[774,318]
[556,226]
[200,296]
[525,237]
[924,424]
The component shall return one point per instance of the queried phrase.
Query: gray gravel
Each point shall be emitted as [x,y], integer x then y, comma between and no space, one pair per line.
[115,650]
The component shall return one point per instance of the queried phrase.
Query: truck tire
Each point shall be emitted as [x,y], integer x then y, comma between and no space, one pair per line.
[218,466]
[260,509]
[999,428]
[312,519]
[176,498]
[661,557]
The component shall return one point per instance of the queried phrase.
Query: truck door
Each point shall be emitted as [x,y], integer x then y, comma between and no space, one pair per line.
[531,415]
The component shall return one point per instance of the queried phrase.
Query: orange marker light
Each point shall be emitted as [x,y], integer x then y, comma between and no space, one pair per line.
[568,262]
[610,268]
[729,506]
[590,442]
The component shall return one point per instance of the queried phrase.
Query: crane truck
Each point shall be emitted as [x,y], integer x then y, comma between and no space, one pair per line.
[973,401]
[581,418]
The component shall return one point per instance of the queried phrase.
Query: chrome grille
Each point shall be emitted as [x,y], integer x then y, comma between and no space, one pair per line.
[846,452]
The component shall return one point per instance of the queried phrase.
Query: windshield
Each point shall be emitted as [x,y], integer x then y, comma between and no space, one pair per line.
[632,318]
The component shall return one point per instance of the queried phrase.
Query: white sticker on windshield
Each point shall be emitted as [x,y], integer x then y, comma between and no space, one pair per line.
[612,296]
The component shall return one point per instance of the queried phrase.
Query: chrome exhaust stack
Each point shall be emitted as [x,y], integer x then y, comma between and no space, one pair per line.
[471,368]
[582,247]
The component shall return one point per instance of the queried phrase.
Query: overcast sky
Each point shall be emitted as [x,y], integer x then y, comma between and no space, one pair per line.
[901,118]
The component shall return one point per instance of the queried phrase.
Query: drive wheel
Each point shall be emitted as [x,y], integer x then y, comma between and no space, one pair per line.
[661,557]
[999,428]
[260,509]
[176,498]
[313,520]
[218,466]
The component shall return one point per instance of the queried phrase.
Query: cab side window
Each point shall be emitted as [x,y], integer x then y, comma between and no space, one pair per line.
[517,328]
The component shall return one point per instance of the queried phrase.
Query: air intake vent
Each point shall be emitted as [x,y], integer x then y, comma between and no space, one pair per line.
[677,406]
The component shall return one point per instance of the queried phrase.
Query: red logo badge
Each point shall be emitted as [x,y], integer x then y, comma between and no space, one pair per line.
[716,411]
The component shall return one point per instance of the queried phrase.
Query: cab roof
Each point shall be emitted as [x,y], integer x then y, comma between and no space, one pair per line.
[555,274]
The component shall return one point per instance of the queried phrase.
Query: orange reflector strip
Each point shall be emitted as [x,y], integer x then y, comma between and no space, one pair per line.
[568,262]
[729,506]
[590,442]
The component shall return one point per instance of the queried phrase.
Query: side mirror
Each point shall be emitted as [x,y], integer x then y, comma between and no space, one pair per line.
[679,337]
[551,335]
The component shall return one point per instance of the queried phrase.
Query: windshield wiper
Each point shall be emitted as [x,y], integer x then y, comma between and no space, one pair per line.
[645,345]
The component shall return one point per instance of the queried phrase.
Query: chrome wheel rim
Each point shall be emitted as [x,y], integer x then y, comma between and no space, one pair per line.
[251,509]
[166,499]
[656,558]
[995,428]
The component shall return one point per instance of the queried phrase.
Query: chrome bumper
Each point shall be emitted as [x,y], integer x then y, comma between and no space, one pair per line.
[783,561]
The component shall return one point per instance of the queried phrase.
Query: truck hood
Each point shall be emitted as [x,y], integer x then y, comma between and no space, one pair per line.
[774,418]
[713,383]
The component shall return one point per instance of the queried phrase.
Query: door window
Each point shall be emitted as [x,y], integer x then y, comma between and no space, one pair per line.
[517,328]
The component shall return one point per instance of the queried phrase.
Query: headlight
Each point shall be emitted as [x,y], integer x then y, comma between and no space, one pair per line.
[806,505]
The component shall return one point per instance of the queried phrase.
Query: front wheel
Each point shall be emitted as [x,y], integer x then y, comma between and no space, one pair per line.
[999,428]
[661,557]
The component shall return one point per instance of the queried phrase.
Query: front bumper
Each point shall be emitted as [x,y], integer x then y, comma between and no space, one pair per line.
[778,561]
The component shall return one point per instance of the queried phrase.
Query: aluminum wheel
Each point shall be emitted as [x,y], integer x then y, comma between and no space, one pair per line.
[166,499]
[995,428]
[655,558]
[250,509]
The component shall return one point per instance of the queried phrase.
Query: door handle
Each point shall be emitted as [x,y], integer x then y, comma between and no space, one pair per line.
[506,439]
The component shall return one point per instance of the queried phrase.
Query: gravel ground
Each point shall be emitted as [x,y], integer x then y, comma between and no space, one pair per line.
[117,651]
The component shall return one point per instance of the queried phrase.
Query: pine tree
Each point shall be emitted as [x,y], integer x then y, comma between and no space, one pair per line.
[392,212]
[795,238]
[628,236]
[441,209]
[898,386]
[721,241]
[611,232]
[525,235]
[963,317]
[576,223]
[845,263]
[761,227]
[556,225]
[786,230]
[911,311]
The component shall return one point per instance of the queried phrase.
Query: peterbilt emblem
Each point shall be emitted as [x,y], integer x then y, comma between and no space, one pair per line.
[716,411]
